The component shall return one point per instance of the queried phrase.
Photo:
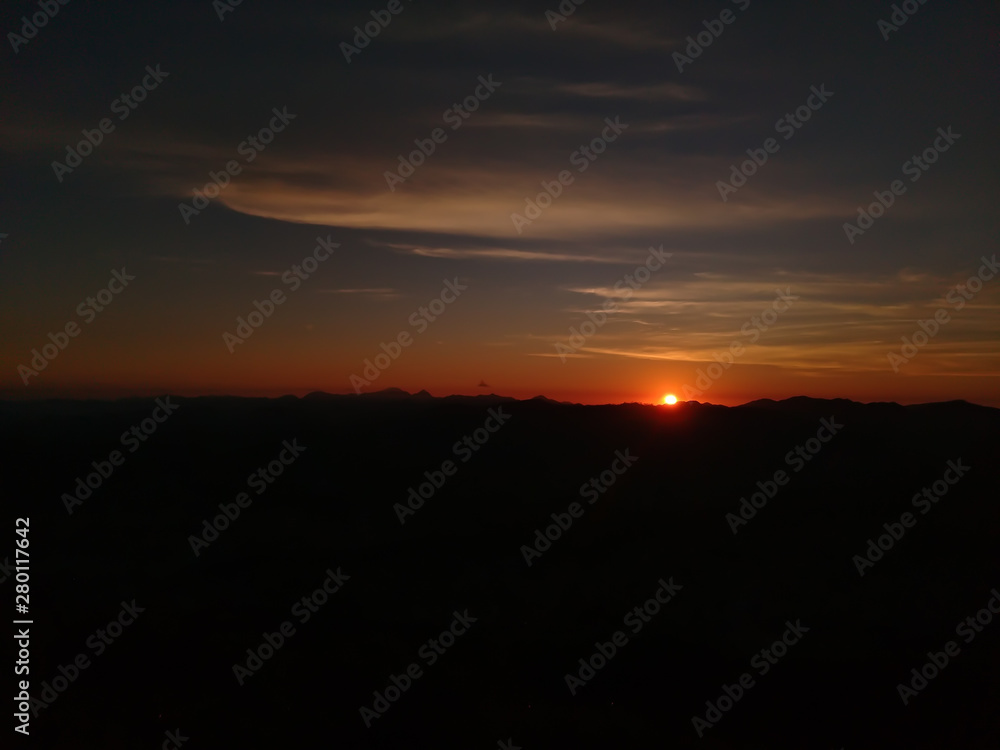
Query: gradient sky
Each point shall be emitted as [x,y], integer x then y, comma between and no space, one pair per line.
[324,176]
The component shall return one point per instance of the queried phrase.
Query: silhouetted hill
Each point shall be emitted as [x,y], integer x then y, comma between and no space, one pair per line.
[800,402]
[849,470]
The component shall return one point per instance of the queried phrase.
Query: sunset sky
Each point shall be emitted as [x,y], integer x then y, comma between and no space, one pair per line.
[548,92]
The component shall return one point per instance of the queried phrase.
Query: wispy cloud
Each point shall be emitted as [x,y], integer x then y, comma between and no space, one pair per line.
[500,253]
[179,259]
[667,91]
[629,36]
[382,291]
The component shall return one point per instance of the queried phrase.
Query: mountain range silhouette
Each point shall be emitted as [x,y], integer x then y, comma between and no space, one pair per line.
[669,515]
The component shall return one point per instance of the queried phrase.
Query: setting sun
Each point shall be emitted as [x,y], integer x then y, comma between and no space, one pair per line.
[670,399]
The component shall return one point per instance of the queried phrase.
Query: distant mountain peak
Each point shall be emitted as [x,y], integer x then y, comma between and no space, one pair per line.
[798,402]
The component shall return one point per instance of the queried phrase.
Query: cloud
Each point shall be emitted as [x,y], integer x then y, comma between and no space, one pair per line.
[374,292]
[507,24]
[842,322]
[500,253]
[667,91]
[480,202]
[178,259]
[628,36]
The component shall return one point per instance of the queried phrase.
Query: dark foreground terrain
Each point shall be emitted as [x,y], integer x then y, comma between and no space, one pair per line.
[491,639]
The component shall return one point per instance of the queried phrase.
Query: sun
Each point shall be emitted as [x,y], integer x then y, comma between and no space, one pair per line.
[670,399]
